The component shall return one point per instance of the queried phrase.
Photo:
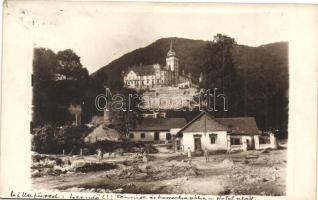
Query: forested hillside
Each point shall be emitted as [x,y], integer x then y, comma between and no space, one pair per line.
[262,73]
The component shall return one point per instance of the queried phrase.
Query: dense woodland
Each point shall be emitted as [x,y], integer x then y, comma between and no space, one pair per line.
[255,79]
[51,98]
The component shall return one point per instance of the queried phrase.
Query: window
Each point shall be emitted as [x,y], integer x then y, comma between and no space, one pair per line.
[131,135]
[213,138]
[168,136]
[235,141]
[142,135]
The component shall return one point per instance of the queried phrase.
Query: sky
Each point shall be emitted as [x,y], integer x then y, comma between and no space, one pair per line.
[100,33]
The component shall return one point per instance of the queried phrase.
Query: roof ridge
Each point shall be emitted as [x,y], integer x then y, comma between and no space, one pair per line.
[232,117]
[198,117]
[165,118]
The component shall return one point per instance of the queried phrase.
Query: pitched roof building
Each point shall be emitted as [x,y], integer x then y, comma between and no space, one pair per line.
[240,125]
[156,130]
[160,124]
[205,122]
[206,131]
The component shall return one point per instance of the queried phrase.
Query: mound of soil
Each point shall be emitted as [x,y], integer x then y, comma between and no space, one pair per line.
[87,167]
[49,165]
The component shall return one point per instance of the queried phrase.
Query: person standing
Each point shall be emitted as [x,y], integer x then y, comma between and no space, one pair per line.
[189,155]
[206,154]
[144,157]
[99,154]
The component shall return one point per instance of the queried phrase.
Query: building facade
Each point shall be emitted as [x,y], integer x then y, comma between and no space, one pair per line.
[158,130]
[155,75]
[218,134]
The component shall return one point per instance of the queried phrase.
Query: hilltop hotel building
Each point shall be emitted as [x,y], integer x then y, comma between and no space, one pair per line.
[156,75]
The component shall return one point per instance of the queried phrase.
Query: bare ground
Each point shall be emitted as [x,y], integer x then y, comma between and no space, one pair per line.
[252,172]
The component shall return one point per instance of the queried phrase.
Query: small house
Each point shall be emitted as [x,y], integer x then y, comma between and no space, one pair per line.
[228,134]
[159,130]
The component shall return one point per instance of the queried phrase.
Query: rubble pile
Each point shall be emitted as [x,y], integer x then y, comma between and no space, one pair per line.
[44,165]
[91,166]
[169,170]
[156,170]
[130,171]
[256,173]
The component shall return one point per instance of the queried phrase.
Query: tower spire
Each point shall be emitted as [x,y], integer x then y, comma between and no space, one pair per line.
[171,44]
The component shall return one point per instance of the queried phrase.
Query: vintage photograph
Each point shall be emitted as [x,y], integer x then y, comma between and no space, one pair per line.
[160,99]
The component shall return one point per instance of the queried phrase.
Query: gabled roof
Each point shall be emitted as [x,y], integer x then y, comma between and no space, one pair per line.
[240,125]
[160,124]
[237,125]
[143,70]
[203,122]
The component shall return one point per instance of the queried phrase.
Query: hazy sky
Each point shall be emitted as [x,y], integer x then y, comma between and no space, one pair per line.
[102,33]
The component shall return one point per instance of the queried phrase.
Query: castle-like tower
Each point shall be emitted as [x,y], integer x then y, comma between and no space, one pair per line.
[172,63]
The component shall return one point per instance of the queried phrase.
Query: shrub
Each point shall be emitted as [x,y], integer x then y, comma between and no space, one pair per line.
[53,140]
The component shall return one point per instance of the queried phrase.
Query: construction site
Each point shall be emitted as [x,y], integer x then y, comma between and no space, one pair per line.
[165,172]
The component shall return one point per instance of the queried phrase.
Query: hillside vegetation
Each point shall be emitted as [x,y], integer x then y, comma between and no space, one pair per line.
[262,71]
[261,80]
[191,55]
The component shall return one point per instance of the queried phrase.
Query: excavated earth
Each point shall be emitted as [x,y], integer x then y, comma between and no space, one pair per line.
[252,172]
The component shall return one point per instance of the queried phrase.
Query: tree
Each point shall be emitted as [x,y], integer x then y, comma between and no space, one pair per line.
[219,72]
[52,97]
[70,65]
[44,67]
[51,140]
[126,118]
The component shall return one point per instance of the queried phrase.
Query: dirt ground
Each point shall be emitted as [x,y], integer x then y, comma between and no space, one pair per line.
[252,172]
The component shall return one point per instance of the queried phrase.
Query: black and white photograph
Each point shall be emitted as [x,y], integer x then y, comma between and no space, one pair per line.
[180,99]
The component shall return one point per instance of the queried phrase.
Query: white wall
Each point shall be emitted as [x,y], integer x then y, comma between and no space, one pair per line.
[149,136]
[256,141]
[272,144]
[244,144]
[174,131]
[162,135]
[221,140]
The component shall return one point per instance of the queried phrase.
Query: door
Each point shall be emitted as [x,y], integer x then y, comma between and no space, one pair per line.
[178,145]
[168,136]
[197,144]
[156,137]
[250,144]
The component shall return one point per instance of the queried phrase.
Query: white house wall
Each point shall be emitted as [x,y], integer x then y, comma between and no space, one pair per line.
[174,131]
[272,144]
[221,140]
[149,136]
[256,141]
[162,136]
[243,145]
